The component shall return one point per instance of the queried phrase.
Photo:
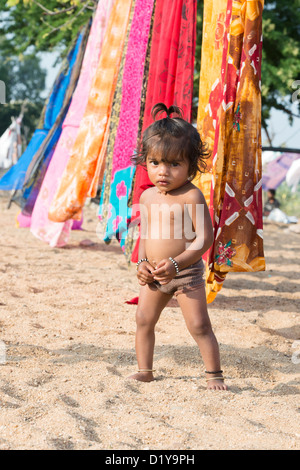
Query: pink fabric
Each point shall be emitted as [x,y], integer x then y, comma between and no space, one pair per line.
[126,137]
[23,221]
[54,233]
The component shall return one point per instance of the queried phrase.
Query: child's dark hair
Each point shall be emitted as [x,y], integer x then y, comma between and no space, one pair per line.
[173,137]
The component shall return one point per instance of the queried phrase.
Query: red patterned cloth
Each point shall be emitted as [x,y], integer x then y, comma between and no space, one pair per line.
[229,119]
[171,69]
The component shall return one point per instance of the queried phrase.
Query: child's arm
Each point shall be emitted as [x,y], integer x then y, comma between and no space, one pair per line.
[199,214]
[144,269]
[203,228]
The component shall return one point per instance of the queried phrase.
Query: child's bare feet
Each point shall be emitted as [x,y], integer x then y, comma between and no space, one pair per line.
[216,382]
[142,376]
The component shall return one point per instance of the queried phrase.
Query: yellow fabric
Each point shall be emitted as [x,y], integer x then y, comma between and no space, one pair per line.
[211,60]
[229,120]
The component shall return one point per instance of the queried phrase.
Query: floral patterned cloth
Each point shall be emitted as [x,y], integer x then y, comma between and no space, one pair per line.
[229,120]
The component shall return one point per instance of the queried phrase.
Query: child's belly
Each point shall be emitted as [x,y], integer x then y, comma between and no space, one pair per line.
[156,250]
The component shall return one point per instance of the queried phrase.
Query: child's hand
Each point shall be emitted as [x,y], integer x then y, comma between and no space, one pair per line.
[144,273]
[165,271]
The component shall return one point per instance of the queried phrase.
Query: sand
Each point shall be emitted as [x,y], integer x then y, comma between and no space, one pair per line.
[67,347]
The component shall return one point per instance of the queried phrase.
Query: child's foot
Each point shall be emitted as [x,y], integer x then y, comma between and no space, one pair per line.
[142,376]
[216,383]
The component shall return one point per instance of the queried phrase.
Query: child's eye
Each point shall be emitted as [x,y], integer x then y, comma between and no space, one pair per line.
[153,162]
[175,164]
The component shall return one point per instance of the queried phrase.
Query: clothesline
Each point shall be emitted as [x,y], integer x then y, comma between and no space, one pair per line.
[280,149]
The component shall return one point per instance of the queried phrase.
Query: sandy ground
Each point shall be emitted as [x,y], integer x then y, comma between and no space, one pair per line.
[67,342]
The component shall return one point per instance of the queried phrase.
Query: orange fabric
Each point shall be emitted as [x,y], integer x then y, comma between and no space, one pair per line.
[86,161]
[229,120]
[211,60]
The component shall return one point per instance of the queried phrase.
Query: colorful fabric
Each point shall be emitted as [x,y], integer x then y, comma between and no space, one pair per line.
[40,162]
[57,233]
[105,212]
[276,170]
[83,162]
[229,120]
[171,69]
[13,179]
[119,170]
[118,212]
[11,143]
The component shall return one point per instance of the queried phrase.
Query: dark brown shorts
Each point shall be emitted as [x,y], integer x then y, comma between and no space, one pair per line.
[186,280]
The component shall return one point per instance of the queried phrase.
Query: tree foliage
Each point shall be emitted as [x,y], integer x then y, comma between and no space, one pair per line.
[32,112]
[281,55]
[24,78]
[25,82]
[45,25]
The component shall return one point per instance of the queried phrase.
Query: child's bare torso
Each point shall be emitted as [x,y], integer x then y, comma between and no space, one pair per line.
[167,226]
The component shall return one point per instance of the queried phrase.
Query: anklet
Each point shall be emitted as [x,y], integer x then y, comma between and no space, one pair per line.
[140,261]
[215,378]
[214,372]
[146,370]
[175,264]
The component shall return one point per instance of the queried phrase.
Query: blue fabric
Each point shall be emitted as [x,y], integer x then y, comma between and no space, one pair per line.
[118,213]
[15,176]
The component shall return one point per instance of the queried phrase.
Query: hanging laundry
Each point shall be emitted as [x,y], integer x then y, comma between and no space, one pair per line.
[229,120]
[171,70]
[40,162]
[114,211]
[57,233]
[11,144]
[80,171]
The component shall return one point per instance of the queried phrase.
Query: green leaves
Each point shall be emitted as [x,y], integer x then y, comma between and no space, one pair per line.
[12,3]
[42,25]
[281,46]
[25,81]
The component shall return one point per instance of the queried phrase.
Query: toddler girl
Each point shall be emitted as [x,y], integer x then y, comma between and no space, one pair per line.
[176,230]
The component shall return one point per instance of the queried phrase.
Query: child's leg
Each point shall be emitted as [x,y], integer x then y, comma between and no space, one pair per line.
[194,309]
[150,306]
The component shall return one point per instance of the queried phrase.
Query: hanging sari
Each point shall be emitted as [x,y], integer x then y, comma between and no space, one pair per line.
[229,120]
[171,70]
[79,174]
[39,164]
[114,211]
[56,233]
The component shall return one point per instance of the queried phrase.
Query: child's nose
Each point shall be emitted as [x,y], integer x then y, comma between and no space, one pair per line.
[163,170]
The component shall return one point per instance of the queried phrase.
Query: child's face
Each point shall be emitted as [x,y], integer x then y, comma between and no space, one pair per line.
[167,175]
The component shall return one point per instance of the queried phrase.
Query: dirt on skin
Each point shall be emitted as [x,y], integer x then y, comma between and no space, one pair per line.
[67,348]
